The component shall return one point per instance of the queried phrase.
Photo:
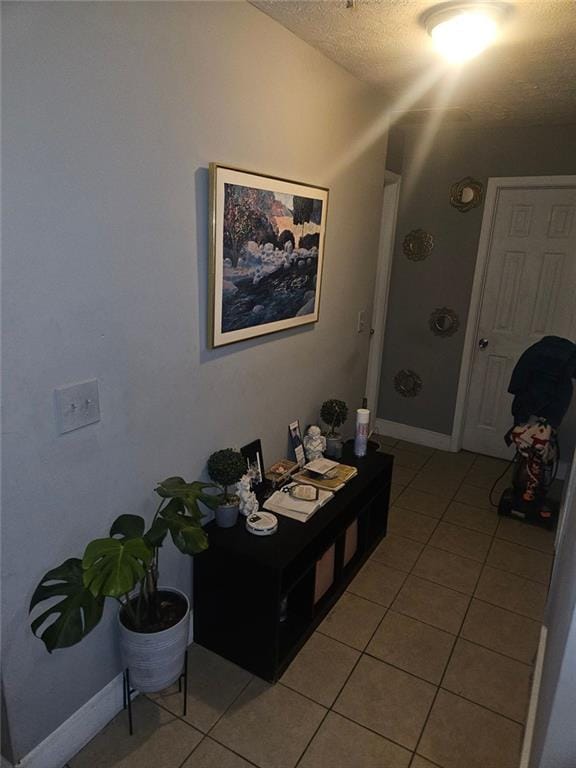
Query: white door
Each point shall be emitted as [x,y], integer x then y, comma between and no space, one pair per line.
[529,292]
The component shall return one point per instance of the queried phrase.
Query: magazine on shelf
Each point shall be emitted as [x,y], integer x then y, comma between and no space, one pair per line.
[282,503]
[321,466]
[342,474]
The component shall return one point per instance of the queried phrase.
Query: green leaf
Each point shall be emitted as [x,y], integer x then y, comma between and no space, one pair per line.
[165,488]
[76,614]
[128,526]
[189,494]
[187,534]
[157,533]
[112,567]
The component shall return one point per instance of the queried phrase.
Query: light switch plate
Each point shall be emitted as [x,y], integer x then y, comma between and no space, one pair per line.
[77,405]
[361,324]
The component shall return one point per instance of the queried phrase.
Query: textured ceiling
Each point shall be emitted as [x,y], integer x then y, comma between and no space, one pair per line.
[528,78]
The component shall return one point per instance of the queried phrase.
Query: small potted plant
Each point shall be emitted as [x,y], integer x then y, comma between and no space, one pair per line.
[334,413]
[153,620]
[225,468]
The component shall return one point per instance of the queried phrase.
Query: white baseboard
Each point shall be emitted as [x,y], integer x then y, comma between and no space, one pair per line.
[530,719]
[414,434]
[76,732]
[82,726]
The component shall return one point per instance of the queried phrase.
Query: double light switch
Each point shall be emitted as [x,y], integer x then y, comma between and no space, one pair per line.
[77,405]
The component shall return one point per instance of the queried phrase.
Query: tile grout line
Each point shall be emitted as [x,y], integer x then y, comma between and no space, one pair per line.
[233,751]
[372,730]
[192,752]
[363,653]
[425,723]
[542,552]
[432,763]
[459,636]
[388,608]
[234,700]
[493,540]
[472,596]
[331,707]
[311,739]
[439,687]
[208,733]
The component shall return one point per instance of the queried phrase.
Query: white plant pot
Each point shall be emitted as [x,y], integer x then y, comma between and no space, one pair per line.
[155,659]
[227,515]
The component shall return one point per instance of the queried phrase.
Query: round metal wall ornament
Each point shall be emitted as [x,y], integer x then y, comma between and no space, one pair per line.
[466,194]
[407,383]
[418,245]
[444,322]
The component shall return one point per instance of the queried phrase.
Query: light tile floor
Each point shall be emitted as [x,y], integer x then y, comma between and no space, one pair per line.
[425,662]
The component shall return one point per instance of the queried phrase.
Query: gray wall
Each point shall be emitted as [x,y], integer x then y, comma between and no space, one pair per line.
[445,278]
[112,112]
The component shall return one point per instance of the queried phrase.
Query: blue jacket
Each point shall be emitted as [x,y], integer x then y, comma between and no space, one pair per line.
[542,380]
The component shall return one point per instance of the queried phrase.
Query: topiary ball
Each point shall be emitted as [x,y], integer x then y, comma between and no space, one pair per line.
[226,466]
[334,412]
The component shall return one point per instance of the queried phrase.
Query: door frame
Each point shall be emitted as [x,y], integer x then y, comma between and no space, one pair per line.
[494,187]
[389,218]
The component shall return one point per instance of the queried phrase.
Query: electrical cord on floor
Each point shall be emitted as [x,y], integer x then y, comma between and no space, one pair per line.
[495,485]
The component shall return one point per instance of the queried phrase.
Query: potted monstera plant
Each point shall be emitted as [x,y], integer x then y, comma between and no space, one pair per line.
[124,566]
[225,468]
[334,413]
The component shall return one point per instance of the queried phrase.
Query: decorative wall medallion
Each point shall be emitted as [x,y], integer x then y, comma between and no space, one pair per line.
[418,245]
[466,194]
[407,383]
[444,322]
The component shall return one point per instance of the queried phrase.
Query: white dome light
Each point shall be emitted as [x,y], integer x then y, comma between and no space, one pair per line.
[463,31]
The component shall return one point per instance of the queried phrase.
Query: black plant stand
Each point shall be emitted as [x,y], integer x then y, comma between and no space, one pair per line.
[127,692]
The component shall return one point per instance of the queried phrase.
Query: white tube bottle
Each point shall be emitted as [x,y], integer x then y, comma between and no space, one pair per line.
[362,426]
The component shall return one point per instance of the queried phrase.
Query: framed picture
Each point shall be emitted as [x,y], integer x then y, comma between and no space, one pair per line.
[297,445]
[254,461]
[266,254]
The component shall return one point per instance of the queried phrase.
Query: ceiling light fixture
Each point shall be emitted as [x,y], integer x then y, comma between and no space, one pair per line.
[461,31]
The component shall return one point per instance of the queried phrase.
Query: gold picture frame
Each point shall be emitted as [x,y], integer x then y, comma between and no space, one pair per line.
[266,254]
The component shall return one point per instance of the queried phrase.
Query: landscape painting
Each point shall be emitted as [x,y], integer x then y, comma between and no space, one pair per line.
[267,242]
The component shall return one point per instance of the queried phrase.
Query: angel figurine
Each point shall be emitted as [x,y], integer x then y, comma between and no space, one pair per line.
[314,443]
[248,502]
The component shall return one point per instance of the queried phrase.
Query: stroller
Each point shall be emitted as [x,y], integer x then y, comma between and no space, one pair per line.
[542,387]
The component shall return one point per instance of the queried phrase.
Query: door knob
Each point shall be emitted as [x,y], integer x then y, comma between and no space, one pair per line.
[483,343]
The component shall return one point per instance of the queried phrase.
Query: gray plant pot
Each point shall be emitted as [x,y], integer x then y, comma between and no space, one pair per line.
[155,659]
[227,515]
[333,446]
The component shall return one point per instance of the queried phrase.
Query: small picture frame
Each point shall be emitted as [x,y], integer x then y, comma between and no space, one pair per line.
[296,442]
[252,452]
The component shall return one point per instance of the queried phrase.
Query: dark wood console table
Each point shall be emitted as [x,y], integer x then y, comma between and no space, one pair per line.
[258,599]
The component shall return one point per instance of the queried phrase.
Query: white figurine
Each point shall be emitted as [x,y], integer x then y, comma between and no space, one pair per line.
[314,443]
[248,501]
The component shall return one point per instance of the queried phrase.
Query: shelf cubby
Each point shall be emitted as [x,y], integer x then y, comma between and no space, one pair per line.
[258,599]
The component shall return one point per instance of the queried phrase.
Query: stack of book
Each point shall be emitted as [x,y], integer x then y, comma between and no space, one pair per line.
[335,479]
[284,503]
